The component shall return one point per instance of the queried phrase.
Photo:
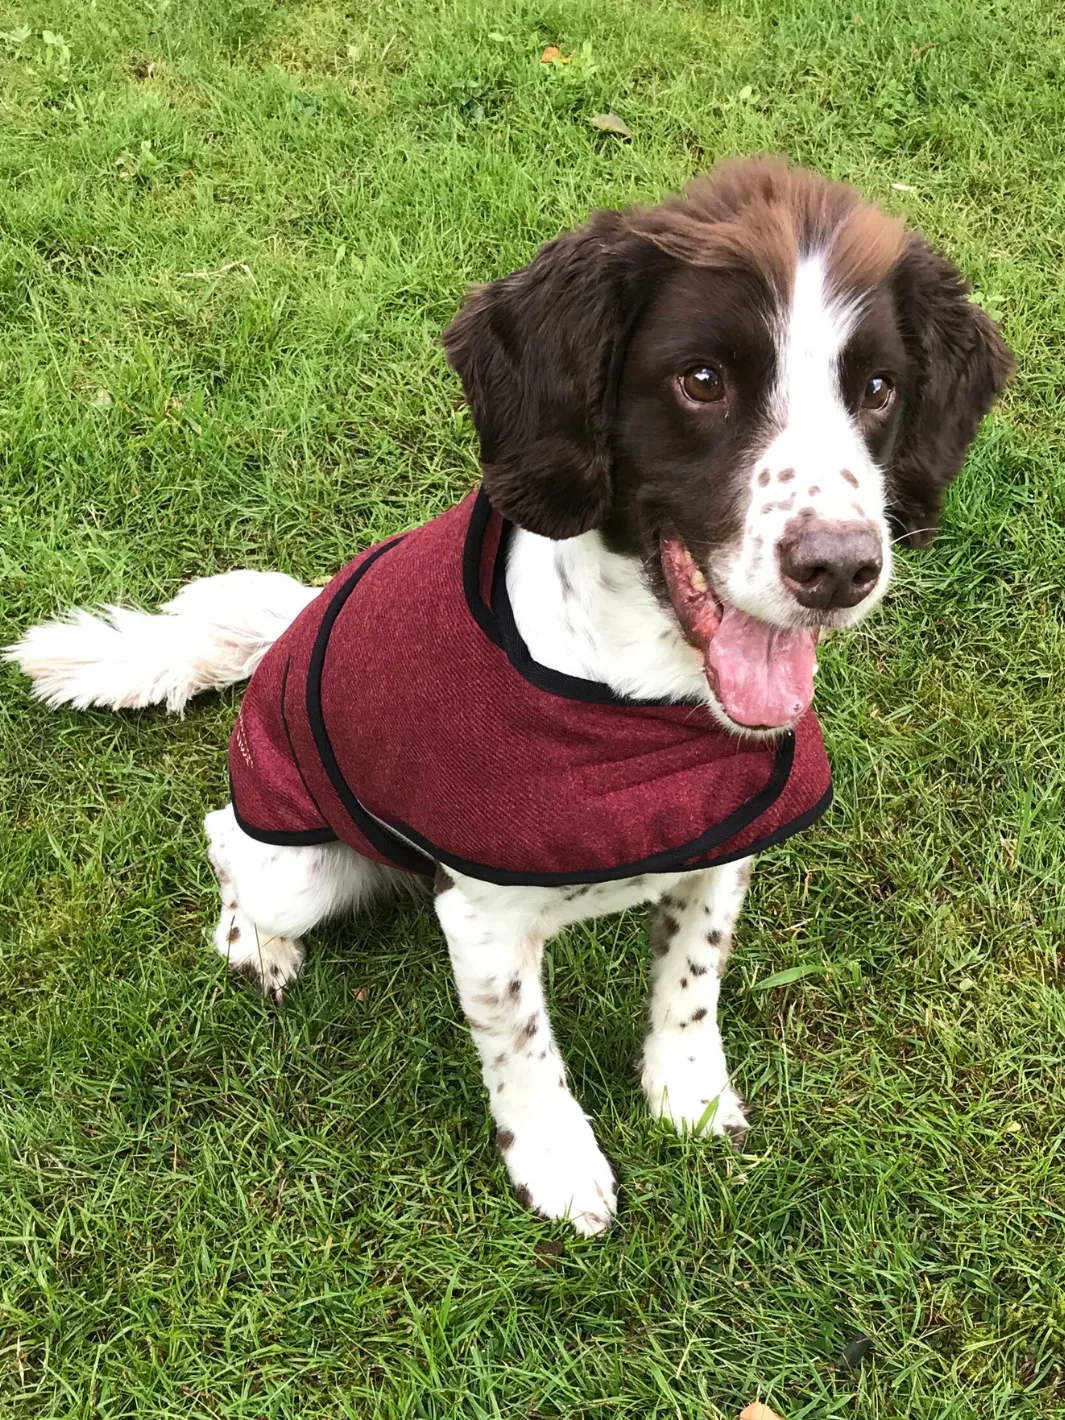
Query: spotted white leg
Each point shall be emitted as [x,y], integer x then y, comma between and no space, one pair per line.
[272,894]
[269,961]
[496,939]
[685,1076]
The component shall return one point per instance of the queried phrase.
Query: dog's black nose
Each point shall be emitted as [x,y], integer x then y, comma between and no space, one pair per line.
[828,563]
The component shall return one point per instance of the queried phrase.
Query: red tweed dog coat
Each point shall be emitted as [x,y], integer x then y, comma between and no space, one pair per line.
[402,713]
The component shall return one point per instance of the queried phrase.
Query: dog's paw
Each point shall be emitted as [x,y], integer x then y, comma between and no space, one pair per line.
[559,1171]
[269,963]
[690,1088]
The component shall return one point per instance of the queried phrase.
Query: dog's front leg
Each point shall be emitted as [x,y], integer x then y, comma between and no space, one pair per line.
[685,1076]
[496,940]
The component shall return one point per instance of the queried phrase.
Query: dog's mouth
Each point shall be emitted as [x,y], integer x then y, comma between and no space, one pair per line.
[761,675]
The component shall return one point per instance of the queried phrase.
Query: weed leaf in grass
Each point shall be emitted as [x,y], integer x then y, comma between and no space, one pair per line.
[792,973]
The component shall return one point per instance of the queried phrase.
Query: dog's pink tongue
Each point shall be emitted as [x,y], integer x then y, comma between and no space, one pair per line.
[765,675]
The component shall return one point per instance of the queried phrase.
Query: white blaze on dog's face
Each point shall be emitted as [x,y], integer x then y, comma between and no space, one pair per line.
[817,486]
[748,389]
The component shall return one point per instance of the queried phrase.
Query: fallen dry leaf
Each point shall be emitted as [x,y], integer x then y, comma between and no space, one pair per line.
[758,1411]
[362,993]
[610,123]
[553,54]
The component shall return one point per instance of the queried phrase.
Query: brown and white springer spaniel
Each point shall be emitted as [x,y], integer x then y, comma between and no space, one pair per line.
[708,421]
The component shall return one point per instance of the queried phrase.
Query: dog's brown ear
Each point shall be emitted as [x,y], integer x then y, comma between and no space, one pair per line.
[961,367]
[536,354]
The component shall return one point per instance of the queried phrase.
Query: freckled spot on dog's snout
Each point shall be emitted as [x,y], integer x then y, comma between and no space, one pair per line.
[849,477]
[785,505]
[233,935]
[699,1015]
[684,983]
[515,986]
[814,491]
[858,509]
[763,478]
[785,475]
[505,1140]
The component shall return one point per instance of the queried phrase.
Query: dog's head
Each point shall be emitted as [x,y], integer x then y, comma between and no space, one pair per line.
[751,388]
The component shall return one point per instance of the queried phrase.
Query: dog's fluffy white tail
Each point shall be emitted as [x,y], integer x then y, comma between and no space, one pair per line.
[214,633]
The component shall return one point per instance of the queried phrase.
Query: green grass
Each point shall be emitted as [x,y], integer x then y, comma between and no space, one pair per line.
[230,233]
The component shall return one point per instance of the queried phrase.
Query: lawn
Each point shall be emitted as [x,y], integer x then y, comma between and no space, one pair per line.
[230,234]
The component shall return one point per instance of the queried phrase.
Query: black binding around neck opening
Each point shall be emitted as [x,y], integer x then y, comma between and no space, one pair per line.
[496,619]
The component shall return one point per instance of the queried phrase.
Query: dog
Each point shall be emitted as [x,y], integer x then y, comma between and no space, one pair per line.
[702,427]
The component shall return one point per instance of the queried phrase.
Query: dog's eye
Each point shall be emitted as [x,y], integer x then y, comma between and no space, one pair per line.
[703,385]
[878,393]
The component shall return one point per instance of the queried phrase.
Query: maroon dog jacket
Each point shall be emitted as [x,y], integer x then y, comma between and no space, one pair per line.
[402,713]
